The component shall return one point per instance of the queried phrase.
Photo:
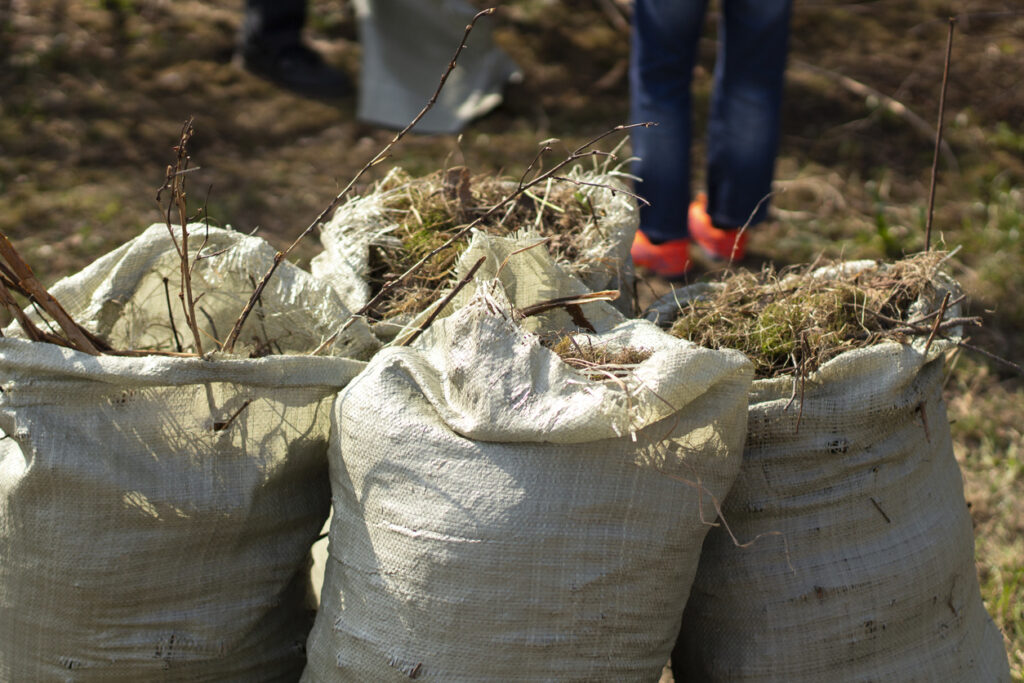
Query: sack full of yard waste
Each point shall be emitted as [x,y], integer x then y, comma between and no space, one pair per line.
[157,510]
[857,560]
[520,506]
[528,275]
[377,237]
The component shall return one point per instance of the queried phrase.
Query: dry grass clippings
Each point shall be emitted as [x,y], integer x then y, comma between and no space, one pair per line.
[429,211]
[597,361]
[793,321]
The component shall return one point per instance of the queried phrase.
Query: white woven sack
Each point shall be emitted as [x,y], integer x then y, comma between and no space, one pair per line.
[156,513]
[138,542]
[499,516]
[123,298]
[603,262]
[864,565]
[528,276]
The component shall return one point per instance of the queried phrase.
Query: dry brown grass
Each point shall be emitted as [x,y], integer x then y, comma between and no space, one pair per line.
[430,210]
[597,361]
[794,321]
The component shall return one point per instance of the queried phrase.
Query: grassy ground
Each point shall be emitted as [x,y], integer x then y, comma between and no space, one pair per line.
[92,95]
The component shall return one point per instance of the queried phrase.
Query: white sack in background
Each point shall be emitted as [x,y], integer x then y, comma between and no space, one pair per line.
[406,47]
[494,517]
[876,579]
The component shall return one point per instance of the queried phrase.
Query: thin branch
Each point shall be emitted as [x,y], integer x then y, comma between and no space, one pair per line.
[229,343]
[221,426]
[27,282]
[519,251]
[938,136]
[563,301]
[175,182]
[992,356]
[892,105]
[613,190]
[444,302]
[938,323]
[170,316]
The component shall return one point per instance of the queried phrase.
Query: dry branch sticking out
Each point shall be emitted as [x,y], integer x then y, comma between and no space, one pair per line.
[17,275]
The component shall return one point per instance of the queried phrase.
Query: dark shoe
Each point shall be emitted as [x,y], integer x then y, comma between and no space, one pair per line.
[299,69]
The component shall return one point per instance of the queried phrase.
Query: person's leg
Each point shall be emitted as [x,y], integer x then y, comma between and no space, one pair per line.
[743,131]
[271,45]
[664,47]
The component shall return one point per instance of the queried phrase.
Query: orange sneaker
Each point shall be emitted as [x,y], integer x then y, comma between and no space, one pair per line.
[726,245]
[669,260]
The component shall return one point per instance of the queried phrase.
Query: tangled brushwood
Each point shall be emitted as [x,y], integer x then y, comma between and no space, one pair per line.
[429,211]
[794,321]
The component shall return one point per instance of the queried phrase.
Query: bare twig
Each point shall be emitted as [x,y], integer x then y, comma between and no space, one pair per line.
[564,301]
[175,182]
[991,356]
[613,190]
[519,251]
[229,343]
[892,105]
[33,332]
[880,510]
[28,283]
[170,315]
[444,302]
[221,426]
[929,316]
[938,323]
[938,136]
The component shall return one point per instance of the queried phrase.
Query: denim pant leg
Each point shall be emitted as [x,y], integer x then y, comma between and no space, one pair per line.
[664,48]
[272,24]
[743,130]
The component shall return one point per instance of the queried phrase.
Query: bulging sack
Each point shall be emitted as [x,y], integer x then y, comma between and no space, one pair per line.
[156,512]
[863,565]
[499,515]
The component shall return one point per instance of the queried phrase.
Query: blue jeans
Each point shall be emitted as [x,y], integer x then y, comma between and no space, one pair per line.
[743,129]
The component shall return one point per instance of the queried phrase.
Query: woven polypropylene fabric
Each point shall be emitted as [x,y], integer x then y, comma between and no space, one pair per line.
[156,513]
[864,565]
[140,543]
[495,518]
